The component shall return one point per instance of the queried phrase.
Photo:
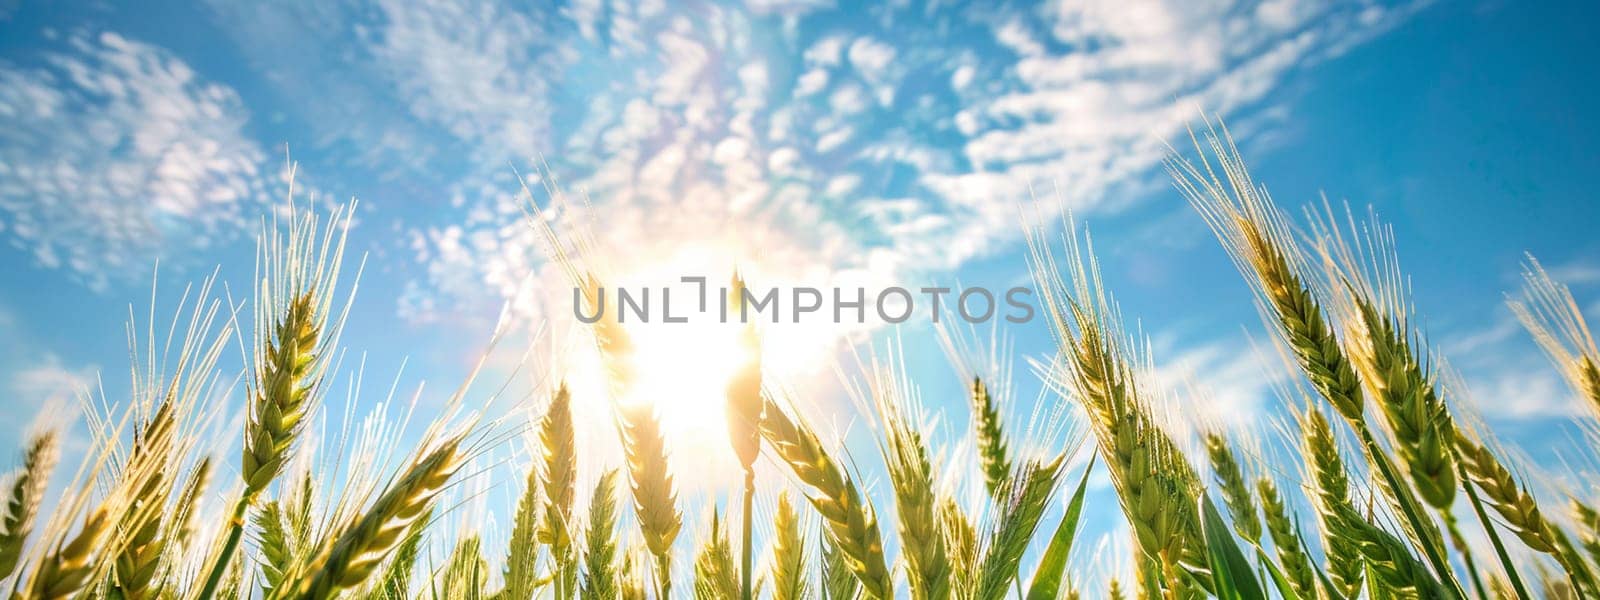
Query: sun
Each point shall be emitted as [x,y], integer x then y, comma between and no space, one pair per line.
[682,369]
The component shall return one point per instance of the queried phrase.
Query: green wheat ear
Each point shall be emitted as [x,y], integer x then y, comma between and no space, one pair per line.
[715,576]
[600,546]
[1235,492]
[790,580]
[284,387]
[994,456]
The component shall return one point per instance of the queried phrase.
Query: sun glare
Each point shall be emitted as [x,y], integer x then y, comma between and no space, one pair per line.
[683,369]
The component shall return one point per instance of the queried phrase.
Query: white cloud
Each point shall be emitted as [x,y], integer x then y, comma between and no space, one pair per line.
[1223,382]
[113,152]
[479,70]
[684,122]
[47,380]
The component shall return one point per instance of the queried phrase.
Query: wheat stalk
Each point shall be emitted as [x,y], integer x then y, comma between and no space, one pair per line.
[745,405]
[22,501]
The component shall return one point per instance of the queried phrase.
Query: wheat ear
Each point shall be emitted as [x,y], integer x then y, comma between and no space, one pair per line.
[395,583]
[1285,533]
[71,566]
[274,545]
[194,489]
[144,544]
[655,499]
[993,455]
[1155,484]
[714,576]
[839,581]
[1235,492]
[558,472]
[1388,559]
[600,546]
[280,401]
[631,577]
[522,552]
[465,571]
[851,524]
[363,544]
[1553,316]
[789,575]
[1262,244]
[911,478]
[1332,491]
[22,501]
[961,542]
[1517,507]
[1033,485]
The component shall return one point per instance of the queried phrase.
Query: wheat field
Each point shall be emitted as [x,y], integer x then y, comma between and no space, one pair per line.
[1382,483]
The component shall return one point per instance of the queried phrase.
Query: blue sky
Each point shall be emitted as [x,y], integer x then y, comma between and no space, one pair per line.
[870,143]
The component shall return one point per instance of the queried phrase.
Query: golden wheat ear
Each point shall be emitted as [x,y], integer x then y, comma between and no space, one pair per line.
[849,520]
[362,545]
[28,485]
[558,472]
[1549,311]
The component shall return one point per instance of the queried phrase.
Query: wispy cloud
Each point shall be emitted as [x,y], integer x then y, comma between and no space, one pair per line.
[113,151]
[890,145]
